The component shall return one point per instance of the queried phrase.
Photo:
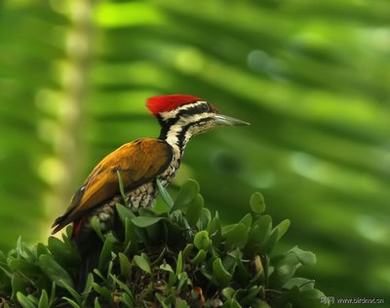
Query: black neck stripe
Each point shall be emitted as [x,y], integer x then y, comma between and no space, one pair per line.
[167,123]
[182,135]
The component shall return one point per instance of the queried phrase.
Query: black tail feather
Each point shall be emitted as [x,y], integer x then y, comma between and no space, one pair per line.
[89,246]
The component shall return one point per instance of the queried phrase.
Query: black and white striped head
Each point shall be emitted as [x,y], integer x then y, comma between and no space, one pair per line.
[183,116]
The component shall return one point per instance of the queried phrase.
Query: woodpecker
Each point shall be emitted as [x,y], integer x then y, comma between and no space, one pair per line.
[141,163]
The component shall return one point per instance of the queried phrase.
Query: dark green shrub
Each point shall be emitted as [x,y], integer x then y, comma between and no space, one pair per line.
[177,254]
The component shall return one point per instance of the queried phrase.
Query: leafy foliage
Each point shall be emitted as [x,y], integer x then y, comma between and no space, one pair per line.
[175,255]
[311,76]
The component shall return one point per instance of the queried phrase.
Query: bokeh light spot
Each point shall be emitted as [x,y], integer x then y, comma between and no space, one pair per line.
[372,229]
[190,61]
[263,179]
[258,60]
[51,170]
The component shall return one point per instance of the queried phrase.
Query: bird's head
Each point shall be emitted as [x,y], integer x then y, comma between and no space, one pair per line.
[184,115]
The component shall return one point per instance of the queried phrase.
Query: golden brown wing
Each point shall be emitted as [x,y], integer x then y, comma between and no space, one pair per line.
[138,162]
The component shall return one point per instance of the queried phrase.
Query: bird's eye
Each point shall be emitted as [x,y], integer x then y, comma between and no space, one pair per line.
[203,108]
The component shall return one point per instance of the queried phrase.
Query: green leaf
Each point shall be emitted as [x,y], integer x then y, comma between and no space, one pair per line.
[301,283]
[166,267]
[22,250]
[187,193]
[271,243]
[230,261]
[199,257]
[96,303]
[282,228]
[127,300]
[183,281]
[262,304]
[71,291]
[283,272]
[3,258]
[179,263]
[260,233]
[311,298]
[187,250]
[54,271]
[103,291]
[194,210]
[67,235]
[251,295]
[220,273]
[241,272]
[71,302]
[43,300]
[204,219]
[24,266]
[125,265]
[247,220]
[160,208]
[237,236]
[42,249]
[162,300]
[257,203]
[231,303]
[88,287]
[25,301]
[145,221]
[181,303]
[123,286]
[121,186]
[214,225]
[124,213]
[164,194]
[130,235]
[202,240]
[305,257]
[61,251]
[52,293]
[95,224]
[105,254]
[143,263]
[228,292]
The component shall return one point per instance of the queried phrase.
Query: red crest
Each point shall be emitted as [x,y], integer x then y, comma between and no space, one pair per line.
[163,103]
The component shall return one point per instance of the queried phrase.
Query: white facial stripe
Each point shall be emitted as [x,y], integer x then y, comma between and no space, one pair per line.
[173,133]
[196,117]
[173,113]
[174,130]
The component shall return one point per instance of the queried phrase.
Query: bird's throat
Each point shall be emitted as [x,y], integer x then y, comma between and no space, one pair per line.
[177,136]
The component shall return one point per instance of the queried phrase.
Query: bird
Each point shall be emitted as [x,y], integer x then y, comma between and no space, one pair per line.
[139,164]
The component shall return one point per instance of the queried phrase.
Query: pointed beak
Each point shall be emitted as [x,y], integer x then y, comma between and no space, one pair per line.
[223,120]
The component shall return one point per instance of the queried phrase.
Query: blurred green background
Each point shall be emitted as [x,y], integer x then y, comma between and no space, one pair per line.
[311,76]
